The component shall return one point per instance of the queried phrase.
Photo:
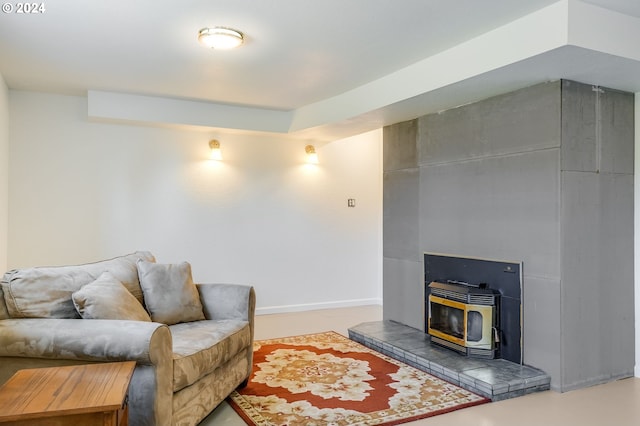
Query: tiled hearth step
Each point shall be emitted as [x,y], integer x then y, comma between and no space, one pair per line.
[497,379]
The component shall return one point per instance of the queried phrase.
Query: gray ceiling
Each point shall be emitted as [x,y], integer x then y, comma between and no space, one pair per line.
[298,53]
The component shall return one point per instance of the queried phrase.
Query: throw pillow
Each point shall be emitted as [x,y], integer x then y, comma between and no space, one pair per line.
[169,292]
[45,292]
[108,298]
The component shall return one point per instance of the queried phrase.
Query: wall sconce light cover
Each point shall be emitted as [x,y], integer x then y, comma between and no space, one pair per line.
[216,153]
[312,156]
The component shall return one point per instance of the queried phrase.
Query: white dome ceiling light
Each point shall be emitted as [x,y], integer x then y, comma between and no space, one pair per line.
[220,38]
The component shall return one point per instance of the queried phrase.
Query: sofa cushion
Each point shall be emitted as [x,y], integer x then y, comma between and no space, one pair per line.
[202,346]
[170,295]
[107,298]
[45,292]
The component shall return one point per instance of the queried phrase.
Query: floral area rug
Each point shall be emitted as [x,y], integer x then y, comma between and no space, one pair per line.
[328,379]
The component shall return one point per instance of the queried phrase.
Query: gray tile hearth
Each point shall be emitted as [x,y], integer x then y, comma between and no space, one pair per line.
[497,379]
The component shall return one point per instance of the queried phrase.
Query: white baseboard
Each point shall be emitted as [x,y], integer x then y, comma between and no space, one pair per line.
[316,306]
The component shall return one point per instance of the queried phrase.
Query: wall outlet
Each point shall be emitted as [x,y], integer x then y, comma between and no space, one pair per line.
[351,202]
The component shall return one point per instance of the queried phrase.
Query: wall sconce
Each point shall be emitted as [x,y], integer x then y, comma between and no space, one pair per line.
[216,154]
[312,155]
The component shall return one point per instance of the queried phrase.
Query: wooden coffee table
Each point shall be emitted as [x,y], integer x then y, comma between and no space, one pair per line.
[93,394]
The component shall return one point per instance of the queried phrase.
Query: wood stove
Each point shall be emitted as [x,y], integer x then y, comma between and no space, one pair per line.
[502,278]
[464,317]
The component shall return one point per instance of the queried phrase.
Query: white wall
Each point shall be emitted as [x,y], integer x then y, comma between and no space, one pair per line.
[82,191]
[4,172]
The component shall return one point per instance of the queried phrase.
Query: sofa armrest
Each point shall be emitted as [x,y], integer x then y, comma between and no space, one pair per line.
[227,301]
[87,340]
[70,340]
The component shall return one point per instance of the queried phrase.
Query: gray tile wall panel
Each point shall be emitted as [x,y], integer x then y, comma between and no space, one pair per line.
[597,125]
[403,292]
[399,146]
[597,278]
[400,214]
[541,325]
[578,127]
[505,124]
[617,131]
[402,267]
[496,208]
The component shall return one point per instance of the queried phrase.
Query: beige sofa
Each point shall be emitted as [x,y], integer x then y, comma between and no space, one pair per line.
[193,343]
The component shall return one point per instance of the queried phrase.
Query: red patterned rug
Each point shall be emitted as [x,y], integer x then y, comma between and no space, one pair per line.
[328,379]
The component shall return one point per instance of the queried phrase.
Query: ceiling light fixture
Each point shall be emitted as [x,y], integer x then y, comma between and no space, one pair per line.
[220,38]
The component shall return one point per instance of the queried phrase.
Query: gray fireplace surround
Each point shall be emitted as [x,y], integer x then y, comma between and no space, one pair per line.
[542,175]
